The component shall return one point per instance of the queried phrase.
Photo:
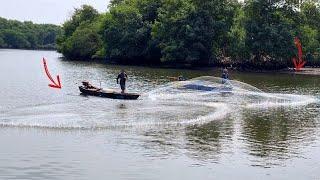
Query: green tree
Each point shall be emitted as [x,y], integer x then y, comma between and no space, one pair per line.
[236,48]
[193,31]
[2,43]
[114,3]
[83,15]
[309,31]
[269,38]
[81,34]
[26,35]
[310,39]
[15,39]
[127,32]
[172,28]
[84,43]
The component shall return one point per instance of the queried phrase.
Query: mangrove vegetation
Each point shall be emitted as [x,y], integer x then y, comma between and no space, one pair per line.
[250,34]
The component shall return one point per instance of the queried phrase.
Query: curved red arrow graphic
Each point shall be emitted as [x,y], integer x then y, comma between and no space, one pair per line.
[298,62]
[54,84]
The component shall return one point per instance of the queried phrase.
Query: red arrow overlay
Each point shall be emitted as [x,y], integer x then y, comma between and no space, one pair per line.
[54,84]
[298,62]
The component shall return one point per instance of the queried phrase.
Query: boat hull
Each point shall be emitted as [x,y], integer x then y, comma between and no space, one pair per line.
[108,94]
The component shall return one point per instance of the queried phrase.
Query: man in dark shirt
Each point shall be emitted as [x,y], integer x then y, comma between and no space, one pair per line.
[123,77]
[225,76]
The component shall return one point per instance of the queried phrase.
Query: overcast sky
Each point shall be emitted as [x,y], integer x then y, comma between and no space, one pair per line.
[45,11]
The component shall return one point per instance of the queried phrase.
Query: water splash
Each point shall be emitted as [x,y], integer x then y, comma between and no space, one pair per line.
[173,104]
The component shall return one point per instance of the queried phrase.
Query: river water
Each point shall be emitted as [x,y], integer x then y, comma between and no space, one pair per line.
[268,127]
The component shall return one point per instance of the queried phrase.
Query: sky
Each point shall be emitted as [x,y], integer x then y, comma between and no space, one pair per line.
[45,11]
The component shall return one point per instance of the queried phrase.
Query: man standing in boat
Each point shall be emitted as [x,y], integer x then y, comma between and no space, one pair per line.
[123,78]
[225,76]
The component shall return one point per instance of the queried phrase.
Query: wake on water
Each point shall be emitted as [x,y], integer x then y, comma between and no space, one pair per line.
[197,101]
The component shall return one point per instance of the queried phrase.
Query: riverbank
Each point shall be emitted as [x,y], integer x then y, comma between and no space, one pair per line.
[303,71]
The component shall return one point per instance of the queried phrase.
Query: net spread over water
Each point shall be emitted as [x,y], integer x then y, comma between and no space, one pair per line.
[197,101]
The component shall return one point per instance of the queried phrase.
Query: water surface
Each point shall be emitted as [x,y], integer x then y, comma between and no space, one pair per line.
[268,127]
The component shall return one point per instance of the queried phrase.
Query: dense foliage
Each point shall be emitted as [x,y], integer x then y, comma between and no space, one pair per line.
[250,34]
[81,38]
[26,35]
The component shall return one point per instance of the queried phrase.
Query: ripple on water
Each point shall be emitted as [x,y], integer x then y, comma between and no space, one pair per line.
[170,105]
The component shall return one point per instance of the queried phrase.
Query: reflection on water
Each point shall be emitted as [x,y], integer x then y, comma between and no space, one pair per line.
[267,126]
[208,142]
[279,134]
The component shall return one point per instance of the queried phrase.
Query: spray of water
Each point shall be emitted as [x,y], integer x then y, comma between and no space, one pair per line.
[197,101]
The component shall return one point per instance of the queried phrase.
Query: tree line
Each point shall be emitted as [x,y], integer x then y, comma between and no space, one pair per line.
[250,34]
[27,35]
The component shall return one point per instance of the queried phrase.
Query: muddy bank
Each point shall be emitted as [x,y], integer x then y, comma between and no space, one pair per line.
[303,71]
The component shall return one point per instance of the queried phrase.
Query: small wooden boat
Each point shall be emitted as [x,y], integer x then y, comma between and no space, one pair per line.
[108,93]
